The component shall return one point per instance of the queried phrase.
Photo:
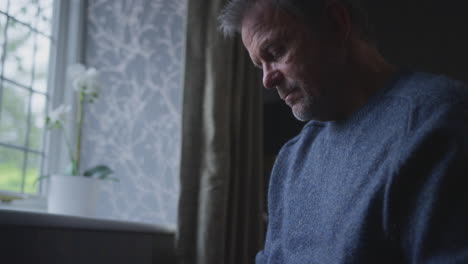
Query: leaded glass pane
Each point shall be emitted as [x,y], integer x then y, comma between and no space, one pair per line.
[32,173]
[36,125]
[19,53]
[25,11]
[13,117]
[4,5]
[11,164]
[3,21]
[25,44]
[41,63]
[44,22]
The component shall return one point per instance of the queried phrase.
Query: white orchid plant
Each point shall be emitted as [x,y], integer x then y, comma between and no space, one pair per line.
[86,83]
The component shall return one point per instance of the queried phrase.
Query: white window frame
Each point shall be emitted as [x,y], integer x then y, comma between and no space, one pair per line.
[68,30]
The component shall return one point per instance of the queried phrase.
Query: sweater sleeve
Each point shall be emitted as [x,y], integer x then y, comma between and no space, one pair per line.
[426,200]
[260,258]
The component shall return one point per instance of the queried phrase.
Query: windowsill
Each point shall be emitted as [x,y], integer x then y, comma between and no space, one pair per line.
[48,220]
[37,208]
[52,238]
[32,204]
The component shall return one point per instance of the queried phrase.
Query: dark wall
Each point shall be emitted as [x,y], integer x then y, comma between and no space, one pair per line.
[279,126]
[428,35]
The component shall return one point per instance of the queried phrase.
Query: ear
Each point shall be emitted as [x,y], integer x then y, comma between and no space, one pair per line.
[339,19]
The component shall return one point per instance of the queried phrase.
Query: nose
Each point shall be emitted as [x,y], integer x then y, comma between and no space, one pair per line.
[271,77]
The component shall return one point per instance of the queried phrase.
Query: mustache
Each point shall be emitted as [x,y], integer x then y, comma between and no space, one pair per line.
[283,91]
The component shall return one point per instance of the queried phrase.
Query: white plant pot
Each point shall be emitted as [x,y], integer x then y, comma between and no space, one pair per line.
[73,195]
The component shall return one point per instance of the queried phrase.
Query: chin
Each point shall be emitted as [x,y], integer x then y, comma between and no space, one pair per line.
[301,117]
[300,113]
[303,110]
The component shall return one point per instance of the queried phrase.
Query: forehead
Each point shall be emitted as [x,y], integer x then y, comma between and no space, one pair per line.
[262,20]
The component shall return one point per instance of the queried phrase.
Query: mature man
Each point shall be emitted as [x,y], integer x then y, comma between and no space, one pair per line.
[376,175]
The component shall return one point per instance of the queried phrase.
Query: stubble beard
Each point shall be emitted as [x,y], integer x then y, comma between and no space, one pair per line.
[302,110]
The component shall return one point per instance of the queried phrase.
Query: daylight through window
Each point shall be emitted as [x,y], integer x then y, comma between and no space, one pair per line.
[25,44]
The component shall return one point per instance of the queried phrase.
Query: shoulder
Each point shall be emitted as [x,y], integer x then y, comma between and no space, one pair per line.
[296,148]
[426,89]
[430,100]
[435,121]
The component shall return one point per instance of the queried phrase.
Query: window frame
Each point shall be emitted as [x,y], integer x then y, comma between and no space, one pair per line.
[68,32]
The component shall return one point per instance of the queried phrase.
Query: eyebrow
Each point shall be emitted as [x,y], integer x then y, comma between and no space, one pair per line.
[257,65]
[263,47]
[266,44]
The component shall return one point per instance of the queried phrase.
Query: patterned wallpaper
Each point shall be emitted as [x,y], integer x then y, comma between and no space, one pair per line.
[135,125]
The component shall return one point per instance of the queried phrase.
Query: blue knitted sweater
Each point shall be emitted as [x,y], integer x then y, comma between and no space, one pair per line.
[387,185]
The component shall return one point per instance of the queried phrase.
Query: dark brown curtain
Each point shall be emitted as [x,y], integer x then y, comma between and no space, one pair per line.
[220,207]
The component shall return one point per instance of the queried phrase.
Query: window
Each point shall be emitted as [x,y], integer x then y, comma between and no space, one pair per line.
[25,44]
[38,39]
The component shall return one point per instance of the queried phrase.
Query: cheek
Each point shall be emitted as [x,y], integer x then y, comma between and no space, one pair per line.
[294,68]
[305,64]
[307,69]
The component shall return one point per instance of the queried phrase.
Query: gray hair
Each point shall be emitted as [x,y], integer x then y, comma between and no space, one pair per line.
[230,20]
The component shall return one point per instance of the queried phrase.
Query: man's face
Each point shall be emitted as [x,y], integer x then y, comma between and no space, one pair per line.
[301,61]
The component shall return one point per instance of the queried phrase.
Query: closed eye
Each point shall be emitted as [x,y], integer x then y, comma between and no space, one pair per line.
[275,52]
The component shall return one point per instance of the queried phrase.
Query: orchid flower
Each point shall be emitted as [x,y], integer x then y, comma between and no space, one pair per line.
[86,83]
[57,117]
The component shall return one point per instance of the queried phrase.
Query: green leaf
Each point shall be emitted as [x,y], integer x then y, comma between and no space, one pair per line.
[100,171]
